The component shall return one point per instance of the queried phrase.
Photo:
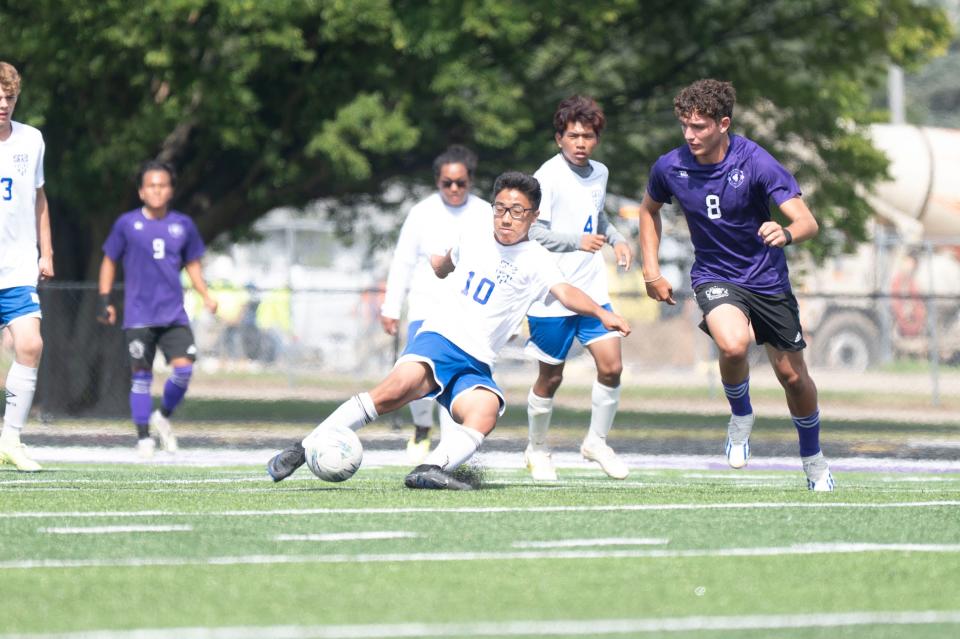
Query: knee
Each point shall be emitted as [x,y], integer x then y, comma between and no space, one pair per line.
[794,382]
[734,352]
[28,350]
[551,382]
[610,375]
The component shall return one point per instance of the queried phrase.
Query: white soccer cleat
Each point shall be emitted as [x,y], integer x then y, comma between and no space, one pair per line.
[738,440]
[145,447]
[600,452]
[818,474]
[540,464]
[168,441]
[16,455]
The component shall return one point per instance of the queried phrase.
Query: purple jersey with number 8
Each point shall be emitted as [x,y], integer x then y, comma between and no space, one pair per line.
[725,204]
[152,253]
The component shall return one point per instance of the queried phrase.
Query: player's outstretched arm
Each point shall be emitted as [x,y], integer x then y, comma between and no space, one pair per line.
[442,264]
[581,303]
[651,227]
[803,225]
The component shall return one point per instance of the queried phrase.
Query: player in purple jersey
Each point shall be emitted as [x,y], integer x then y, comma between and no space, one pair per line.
[25,224]
[154,243]
[723,183]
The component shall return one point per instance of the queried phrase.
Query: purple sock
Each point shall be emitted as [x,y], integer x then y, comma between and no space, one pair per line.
[140,401]
[739,397]
[176,388]
[808,430]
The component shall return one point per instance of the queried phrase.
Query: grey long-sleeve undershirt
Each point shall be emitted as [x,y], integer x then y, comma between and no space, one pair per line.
[568,242]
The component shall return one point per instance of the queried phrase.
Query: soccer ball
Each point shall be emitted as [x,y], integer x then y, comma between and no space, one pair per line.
[334,454]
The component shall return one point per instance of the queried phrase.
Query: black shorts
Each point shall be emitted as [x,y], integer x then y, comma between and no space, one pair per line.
[174,342]
[775,318]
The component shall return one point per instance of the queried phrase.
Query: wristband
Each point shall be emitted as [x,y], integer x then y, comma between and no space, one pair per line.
[787,234]
[104,304]
[658,277]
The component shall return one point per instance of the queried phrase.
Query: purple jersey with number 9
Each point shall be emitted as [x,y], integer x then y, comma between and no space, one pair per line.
[152,253]
[725,204]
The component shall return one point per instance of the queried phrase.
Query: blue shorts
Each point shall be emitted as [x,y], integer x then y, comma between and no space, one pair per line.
[412,329]
[551,337]
[17,302]
[454,370]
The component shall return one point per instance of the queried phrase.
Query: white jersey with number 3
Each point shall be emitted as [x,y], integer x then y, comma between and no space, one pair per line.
[571,205]
[21,174]
[493,285]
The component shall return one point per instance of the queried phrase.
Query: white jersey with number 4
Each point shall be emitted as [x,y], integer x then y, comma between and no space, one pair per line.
[571,205]
[21,174]
[492,288]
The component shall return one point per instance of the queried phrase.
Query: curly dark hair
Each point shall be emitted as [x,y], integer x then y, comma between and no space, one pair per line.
[526,184]
[579,108]
[708,98]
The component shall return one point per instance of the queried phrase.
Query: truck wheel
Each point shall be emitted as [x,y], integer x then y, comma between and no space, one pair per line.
[848,341]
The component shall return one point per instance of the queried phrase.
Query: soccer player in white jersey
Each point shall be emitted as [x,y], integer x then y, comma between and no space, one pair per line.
[573,225]
[436,219]
[495,274]
[25,220]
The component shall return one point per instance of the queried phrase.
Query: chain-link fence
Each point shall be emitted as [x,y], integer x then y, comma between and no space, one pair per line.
[309,338]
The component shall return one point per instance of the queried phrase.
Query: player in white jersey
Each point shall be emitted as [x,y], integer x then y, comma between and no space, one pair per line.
[573,225]
[436,219]
[24,225]
[495,278]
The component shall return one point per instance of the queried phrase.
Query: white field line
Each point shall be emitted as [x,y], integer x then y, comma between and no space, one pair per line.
[775,551]
[558,627]
[479,510]
[207,457]
[106,530]
[575,543]
[352,536]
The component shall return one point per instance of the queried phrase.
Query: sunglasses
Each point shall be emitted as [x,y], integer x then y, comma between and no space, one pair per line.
[462,184]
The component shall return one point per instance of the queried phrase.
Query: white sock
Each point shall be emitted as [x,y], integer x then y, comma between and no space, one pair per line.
[355,413]
[539,412]
[605,401]
[446,420]
[422,412]
[457,445]
[21,386]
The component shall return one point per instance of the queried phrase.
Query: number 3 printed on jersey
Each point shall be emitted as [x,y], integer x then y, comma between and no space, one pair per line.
[713,207]
[159,248]
[484,289]
[6,188]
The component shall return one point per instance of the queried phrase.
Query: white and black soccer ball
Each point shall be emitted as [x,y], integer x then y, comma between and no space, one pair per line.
[334,454]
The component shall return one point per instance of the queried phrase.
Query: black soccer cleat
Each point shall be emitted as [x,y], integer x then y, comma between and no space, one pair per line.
[286,461]
[432,477]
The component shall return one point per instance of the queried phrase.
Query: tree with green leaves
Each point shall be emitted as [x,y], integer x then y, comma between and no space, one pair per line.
[281,103]
[290,101]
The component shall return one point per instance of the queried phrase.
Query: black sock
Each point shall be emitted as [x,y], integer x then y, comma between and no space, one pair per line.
[422,433]
[143,431]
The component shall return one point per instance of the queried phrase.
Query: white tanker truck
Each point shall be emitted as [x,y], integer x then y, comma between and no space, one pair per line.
[898,295]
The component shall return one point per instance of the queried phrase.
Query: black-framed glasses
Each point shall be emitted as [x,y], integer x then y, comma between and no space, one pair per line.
[516,211]
[462,184]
